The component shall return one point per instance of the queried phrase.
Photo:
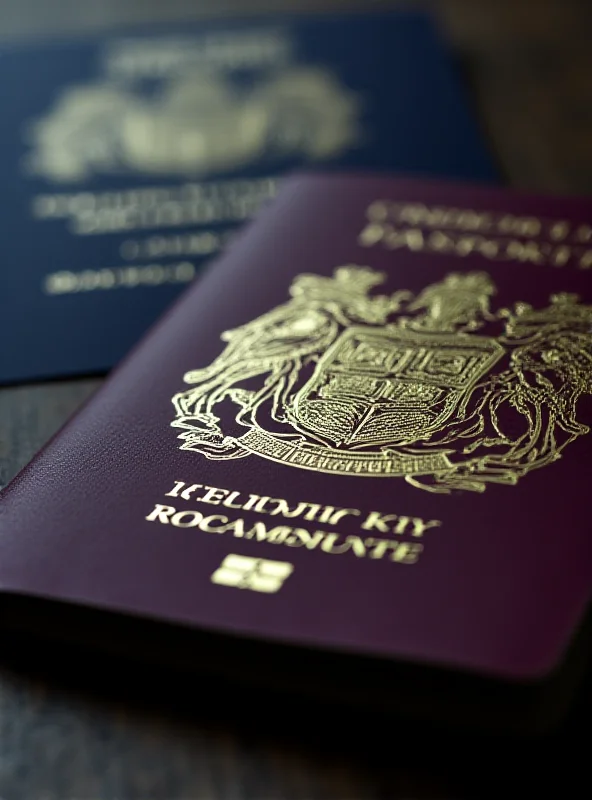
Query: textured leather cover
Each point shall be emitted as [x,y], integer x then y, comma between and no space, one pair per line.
[127,159]
[437,386]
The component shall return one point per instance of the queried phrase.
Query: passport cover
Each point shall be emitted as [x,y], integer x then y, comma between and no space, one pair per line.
[364,431]
[129,159]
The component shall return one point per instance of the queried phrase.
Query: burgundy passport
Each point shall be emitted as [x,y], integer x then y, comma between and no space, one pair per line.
[358,449]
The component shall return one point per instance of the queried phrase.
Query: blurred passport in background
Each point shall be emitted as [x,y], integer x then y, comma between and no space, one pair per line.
[127,160]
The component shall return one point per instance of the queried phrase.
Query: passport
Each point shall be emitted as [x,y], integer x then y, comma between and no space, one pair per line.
[351,459]
[128,159]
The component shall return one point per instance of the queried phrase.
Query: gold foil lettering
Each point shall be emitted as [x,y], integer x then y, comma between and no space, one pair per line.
[207,526]
[418,526]
[238,528]
[525,251]
[261,503]
[313,510]
[559,230]
[175,490]
[326,514]
[89,280]
[378,521]
[251,502]
[161,514]
[440,242]
[401,525]
[260,532]
[186,493]
[358,546]
[218,202]
[407,552]
[333,519]
[354,543]
[378,211]
[187,519]
[380,546]
[528,226]
[384,524]
[213,495]
[330,543]
[463,232]
[372,234]
[229,501]
[411,238]
[561,255]
[301,538]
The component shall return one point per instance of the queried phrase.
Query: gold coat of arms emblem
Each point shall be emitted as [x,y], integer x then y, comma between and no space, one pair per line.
[437,388]
[199,124]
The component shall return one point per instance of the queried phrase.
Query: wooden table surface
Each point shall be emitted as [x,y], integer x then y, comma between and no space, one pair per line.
[529,63]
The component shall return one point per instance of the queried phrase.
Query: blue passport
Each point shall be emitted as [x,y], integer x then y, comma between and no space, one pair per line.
[128,159]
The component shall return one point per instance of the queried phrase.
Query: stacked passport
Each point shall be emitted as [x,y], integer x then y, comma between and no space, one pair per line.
[128,160]
[355,451]
[352,460]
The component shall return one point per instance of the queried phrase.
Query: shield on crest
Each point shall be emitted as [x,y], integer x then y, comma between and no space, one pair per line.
[390,386]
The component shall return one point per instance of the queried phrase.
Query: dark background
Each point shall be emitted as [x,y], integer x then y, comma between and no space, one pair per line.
[529,66]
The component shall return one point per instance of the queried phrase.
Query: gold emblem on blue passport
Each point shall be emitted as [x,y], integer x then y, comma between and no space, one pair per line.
[193,120]
[437,388]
